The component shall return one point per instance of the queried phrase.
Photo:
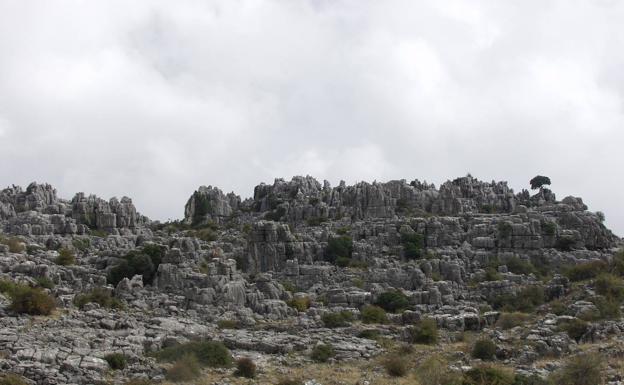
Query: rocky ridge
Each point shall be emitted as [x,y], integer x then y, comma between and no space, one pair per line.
[451,252]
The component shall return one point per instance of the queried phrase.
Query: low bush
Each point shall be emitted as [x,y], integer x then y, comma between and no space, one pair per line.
[372,314]
[525,300]
[245,367]
[424,332]
[519,266]
[565,243]
[587,270]
[369,334]
[583,369]
[30,300]
[143,262]
[339,247]
[575,328]
[488,375]
[66,257]
[338,319]
[206,235]
[435,371]
[300,303]
[322,353]
[100,296]
[12,379]
[16,245]
[511,320]
[44,282]
[116,361]
[392,301]
[208,353]
[505,229]
[81,244]
[412,245]
[557,307]
[227,324]
[491,274]
[396,366]
[608,308]
[484,349]
[184,369]
[610,286]
[549,228]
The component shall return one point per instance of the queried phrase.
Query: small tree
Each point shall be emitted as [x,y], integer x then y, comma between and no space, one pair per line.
[539,181]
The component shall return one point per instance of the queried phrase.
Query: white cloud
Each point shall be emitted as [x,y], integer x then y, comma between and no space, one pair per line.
[154,98]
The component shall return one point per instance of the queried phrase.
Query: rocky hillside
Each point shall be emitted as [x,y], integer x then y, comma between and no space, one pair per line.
[365,278]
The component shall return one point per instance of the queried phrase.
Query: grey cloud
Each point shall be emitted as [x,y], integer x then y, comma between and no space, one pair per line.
[153,98]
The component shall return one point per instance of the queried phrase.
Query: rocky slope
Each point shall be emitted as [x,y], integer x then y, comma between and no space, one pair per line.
[260,273]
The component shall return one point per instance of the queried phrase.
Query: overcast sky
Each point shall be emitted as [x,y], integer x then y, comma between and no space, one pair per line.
[151,99]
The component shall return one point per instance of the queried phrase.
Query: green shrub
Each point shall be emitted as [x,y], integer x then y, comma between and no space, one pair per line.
[341,246]
[549,228]
[435,371]
[616,266]
[12,379]
[245,367]
[98,233]
[117,361]
[369,334]
[373,315]
[504,229]
[7,286]
[342,261]
[45,283]
[525,300]
[184,369]
[519,266]
[610,286]
[511,320]
[100,296]
[206,235]
[81,244]
[565,243]
[144,262]
[424,332]
[227,324]
[413,245]
[66,257]
[557,307]
[396,366]
[583,369]
[316,221]
[322,353]
[484,349]
[300,303]
[338,319]
[492,275]
[587,270]
[209,353]
[289,286]
[488,375]
[29,300]
[608,308]
[392,301]
[575,328]
[16,245]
